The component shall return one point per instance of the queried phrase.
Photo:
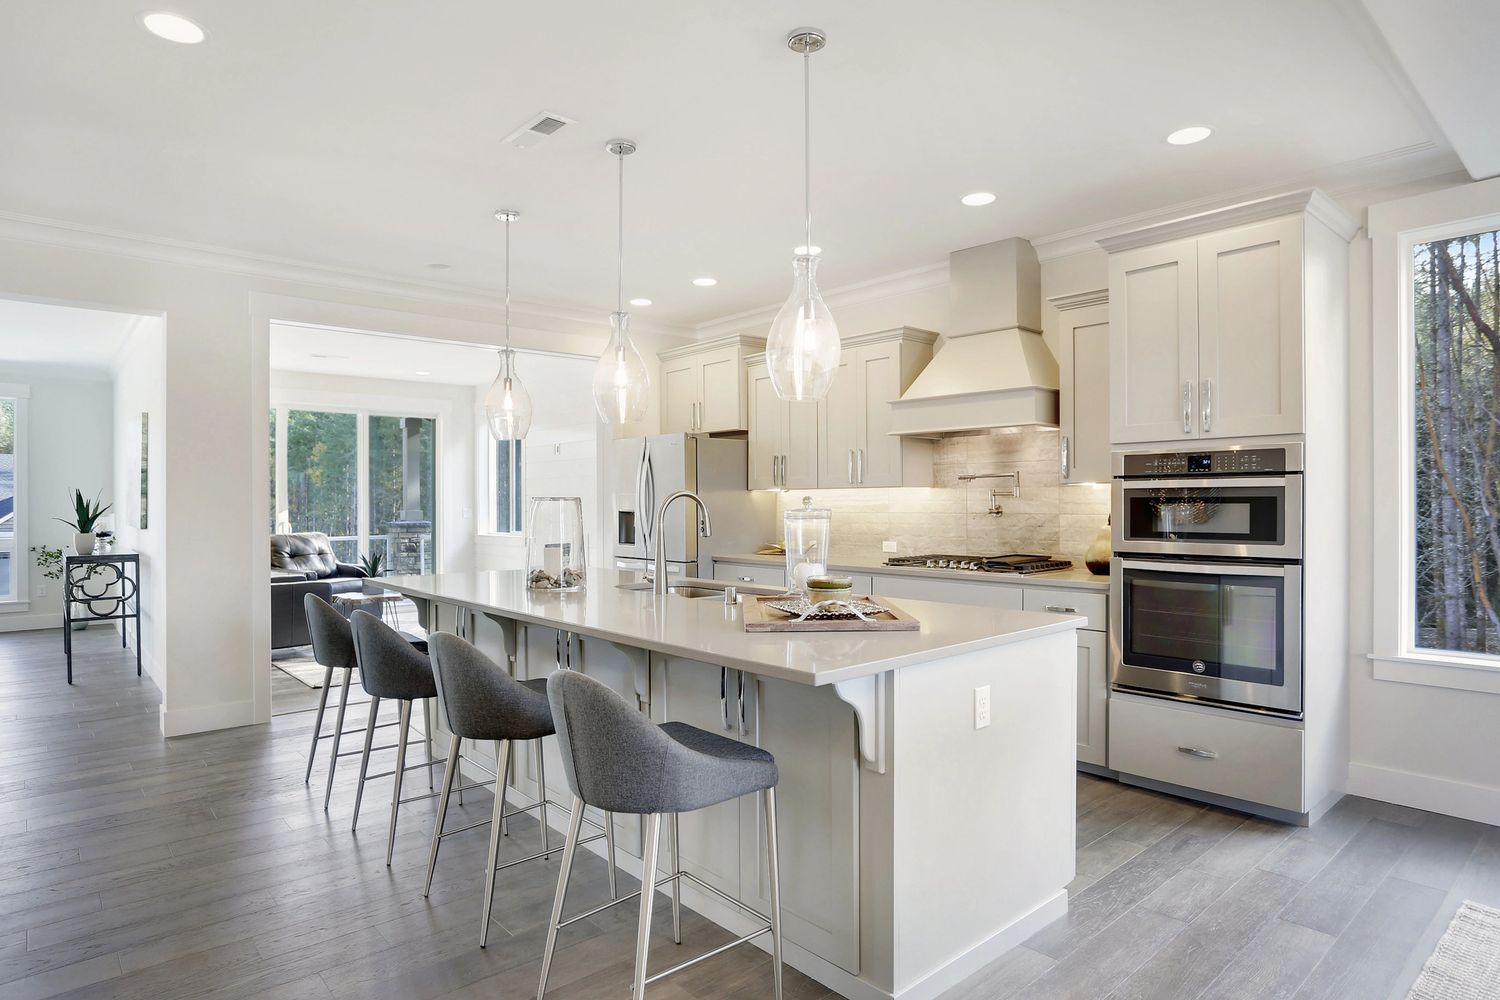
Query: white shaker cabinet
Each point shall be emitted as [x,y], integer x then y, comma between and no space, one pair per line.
[1083,378]
[703,386]
[854,445]
[1209,335]
[783,435]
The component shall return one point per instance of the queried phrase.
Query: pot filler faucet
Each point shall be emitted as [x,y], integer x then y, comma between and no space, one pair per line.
[705,529]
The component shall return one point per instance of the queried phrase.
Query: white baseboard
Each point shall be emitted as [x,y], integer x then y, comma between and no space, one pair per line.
[206,718]
[1480,803]
[26,621]
[941,980]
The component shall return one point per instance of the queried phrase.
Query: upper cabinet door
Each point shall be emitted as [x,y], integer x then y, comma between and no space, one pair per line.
[1083,371]
[1153,343]
[838,425]
[720,392]
[1250,330]
[679,395]
[767,431]
[877,457]
[799,451]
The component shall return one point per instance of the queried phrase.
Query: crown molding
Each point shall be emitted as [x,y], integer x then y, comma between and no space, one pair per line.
[741,340]
[916,279]
[1311,201]
[182,253]
[1080,300]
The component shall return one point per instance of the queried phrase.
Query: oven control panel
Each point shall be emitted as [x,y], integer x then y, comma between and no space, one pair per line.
[1229,462]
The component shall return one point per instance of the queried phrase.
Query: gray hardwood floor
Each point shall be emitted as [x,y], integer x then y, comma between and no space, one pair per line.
[133,867]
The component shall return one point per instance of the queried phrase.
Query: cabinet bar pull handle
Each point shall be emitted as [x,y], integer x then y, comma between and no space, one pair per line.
[1065,457]
[747,579]
[1187,407]
[742,703]
[1196,752]
[1058,609]
[1208,405]
[860,475]
[724,697]
[851,466]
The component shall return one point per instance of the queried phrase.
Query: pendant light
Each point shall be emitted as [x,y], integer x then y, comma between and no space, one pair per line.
[507,404]
[802,352]
[621,382]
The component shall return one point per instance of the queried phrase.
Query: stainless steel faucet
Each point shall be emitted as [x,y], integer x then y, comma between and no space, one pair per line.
[705,529]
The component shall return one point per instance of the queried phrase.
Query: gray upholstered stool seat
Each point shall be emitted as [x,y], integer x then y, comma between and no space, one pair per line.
[618,760]
[480,700]
[333,646]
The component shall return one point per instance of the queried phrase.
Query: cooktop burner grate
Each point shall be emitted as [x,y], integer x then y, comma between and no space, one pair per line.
[1014,562]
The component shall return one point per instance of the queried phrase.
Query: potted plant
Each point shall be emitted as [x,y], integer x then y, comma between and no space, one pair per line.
[86,514]
[373,564]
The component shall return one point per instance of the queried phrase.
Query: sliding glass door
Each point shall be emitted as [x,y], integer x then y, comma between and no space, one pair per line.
[367,480]
[9,487]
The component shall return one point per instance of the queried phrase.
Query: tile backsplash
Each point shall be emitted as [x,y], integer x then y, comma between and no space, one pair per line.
[952,516]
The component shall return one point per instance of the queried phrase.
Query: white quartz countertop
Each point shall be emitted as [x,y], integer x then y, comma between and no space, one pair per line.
[706,629]
[1073,578]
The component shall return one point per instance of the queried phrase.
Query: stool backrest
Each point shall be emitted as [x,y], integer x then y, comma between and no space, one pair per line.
[332,641]
[478,698]
[389,665]
[615,758]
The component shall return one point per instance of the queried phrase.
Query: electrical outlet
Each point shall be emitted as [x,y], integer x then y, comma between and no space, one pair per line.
[889,546]
[981,707]
[41,590]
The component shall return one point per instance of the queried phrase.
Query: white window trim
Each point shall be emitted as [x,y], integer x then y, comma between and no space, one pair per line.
[1395,228]
[20,560]
[491,521]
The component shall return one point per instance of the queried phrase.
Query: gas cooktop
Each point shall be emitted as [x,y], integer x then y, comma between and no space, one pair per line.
[1014,562]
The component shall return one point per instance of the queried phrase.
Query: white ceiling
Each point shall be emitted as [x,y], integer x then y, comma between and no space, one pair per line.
[369,135]
[40,334]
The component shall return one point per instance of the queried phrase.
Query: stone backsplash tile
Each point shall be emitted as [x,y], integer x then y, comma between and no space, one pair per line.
[951,516]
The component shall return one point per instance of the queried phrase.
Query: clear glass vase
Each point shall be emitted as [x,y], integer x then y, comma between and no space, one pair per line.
[556,556]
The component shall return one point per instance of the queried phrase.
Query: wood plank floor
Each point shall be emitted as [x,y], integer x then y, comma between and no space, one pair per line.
[133,867]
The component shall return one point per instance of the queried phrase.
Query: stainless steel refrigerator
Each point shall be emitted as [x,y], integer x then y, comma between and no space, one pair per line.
[650,469]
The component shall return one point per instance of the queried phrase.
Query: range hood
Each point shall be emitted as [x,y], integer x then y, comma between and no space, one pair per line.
[992,370]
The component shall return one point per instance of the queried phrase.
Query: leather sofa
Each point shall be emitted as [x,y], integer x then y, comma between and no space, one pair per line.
[304,563]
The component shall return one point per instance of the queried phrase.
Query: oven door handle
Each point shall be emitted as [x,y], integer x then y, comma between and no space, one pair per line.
[1205,483]
[1205,568]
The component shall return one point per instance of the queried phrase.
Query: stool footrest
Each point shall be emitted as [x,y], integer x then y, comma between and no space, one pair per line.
[707,955]
[353,753]
[543,854]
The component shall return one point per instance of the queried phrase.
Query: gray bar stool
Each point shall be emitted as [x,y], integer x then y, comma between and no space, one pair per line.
[620,761]
[390,667]
[333,646]
[480,701]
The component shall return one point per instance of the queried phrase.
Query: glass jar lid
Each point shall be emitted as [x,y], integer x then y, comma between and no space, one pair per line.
[808,512]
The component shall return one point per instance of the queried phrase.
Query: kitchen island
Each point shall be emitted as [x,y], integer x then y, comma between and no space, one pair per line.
[916,844]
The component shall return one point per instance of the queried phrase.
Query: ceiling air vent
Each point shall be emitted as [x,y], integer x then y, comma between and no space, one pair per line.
[538,128]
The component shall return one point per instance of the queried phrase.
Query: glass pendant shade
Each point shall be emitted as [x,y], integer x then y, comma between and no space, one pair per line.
[507,404]
[621,382]
[803,349]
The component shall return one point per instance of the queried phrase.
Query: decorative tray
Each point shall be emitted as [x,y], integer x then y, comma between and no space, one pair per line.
[794,613]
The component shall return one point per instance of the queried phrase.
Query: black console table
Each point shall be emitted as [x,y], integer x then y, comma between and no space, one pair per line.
[106,585]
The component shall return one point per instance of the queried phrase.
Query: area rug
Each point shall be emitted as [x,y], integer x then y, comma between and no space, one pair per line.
[308,670]
[1466,963]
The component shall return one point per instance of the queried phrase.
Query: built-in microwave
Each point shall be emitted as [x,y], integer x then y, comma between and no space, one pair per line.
[1223,631]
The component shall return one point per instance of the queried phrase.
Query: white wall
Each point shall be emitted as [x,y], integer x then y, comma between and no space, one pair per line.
[138,381]
[453,406]
[69,445]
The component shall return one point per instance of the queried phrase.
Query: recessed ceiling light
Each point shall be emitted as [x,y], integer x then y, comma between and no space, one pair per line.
[172,27]
[806,251]
[705,282]
[1191,134]
[438,266]
[977,199]
[640,302]
[421,372]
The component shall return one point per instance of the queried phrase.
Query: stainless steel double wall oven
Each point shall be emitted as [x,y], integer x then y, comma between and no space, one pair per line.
[1206,593]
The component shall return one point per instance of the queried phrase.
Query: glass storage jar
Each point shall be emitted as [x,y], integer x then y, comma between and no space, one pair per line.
[555,552]
[805,533]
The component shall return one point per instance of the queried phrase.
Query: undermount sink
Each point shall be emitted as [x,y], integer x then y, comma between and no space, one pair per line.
[692,590]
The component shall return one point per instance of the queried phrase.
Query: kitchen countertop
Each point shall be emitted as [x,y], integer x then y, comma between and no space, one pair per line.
[1073,578]
[705,629]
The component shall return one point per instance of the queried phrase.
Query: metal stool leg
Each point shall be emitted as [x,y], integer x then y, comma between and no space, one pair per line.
[427,736]
[570,847]
[609,842]
[775,873]
[390,838]
[502,761]
[364,760]
[676,859]
[648,897]
[541,777]
[437,830]
[312,752]
[338,729]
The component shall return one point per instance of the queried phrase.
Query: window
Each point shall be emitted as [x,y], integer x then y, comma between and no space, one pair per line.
[13,513]
[1456,443]
[510,493]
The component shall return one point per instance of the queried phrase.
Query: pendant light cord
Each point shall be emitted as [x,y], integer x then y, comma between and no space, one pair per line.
[807,149]
[620,251]
[507,293]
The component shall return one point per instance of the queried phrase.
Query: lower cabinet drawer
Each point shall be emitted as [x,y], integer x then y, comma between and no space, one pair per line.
[1237,756]
[771,576]
[1069,602]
